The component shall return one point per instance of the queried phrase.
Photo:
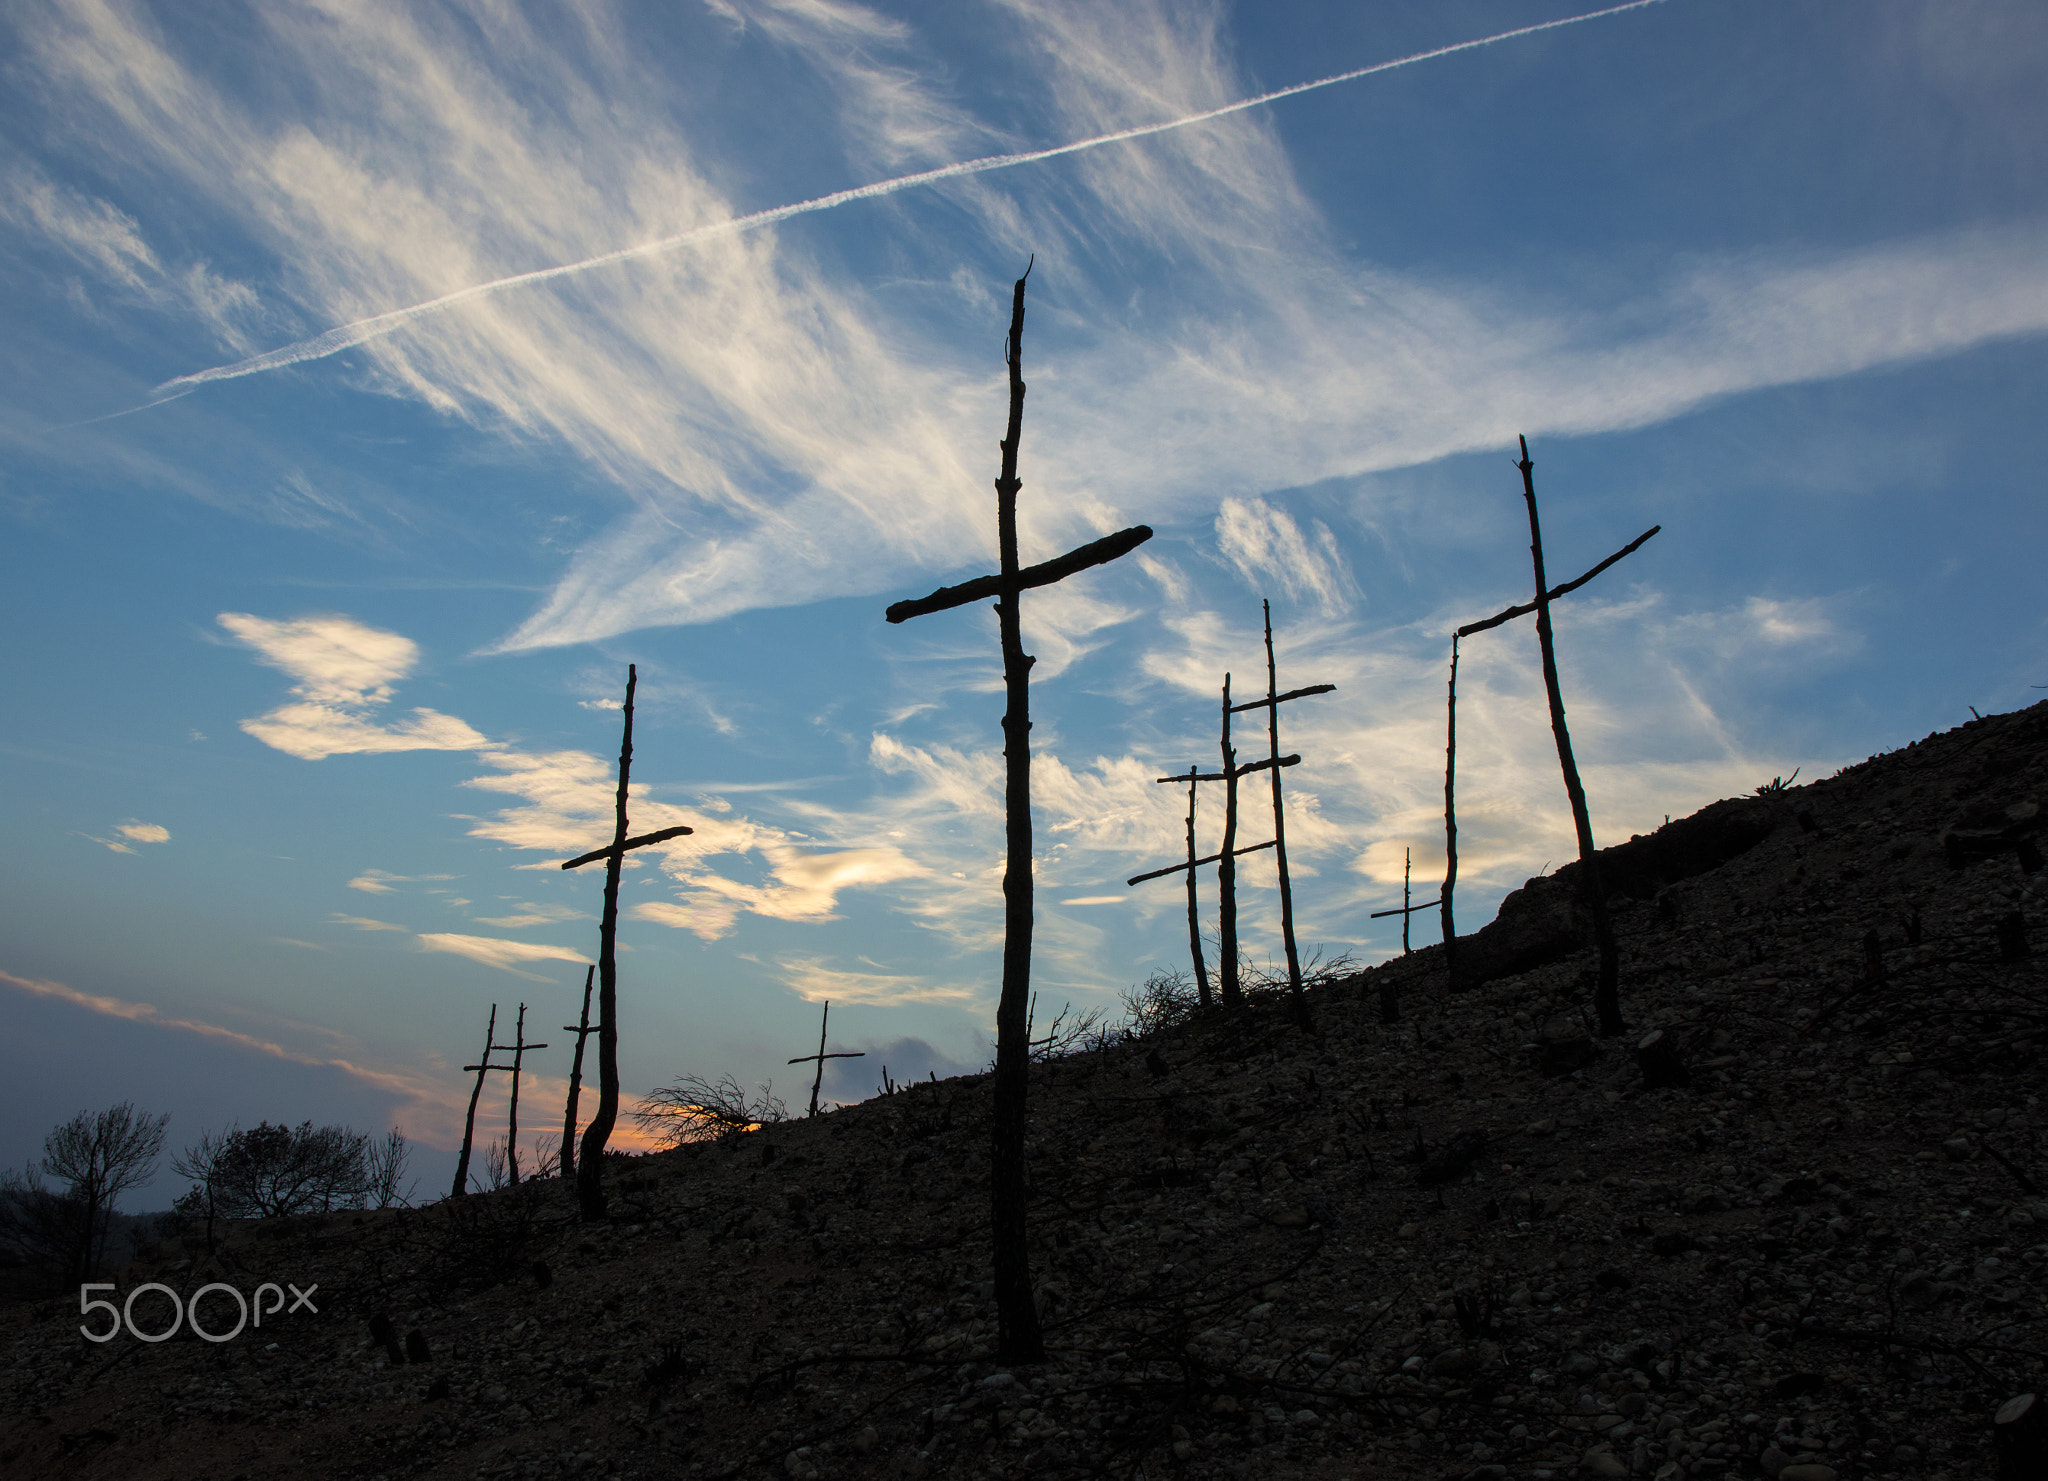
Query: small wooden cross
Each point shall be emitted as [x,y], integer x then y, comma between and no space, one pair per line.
[1406,911]
[1271,705]
[518,1046]
[590,1171]
[1018,1336]
[582,1030]
[821,1056]
[1451,743]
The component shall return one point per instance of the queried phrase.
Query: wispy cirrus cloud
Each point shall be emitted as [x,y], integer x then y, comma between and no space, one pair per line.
[430,1108]
[495,952]
[812,435]
[811,979]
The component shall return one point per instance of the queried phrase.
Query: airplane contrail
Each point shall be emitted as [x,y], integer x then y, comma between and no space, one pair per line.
[347,336]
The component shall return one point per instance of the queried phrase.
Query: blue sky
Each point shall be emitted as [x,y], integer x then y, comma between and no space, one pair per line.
[313,670]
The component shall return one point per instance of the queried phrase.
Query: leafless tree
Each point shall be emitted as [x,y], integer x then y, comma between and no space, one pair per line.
[97,1157]
[274,1171]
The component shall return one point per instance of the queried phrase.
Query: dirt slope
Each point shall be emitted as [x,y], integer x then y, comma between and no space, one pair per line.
[1470,1243]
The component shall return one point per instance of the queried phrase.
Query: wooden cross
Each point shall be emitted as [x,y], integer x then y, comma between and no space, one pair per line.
[476,1091]
[1407,911]
[1271,704]
[821,1056]
[1451,744]
[518,1046]
[590,1171]
[1191,777]
[582,1030]
[1018,1335]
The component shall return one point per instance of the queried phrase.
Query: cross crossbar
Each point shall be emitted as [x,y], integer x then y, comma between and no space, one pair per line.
[1245,770]
[1525,608]
[821,1056]
[626,846]
[1406,909]
[1045,573]
[1281,699]
[1198,863]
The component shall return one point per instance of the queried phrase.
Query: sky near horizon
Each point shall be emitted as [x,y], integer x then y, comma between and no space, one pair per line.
[320,611]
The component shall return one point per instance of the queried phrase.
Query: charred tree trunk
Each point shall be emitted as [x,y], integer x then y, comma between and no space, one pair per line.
[1297,1000]
[1194,916]
[1607,993]
[469,1122]
[590,1171]
[1451,814]
[512,1111]
[582,1032]
[1018,1338]
[1226,868]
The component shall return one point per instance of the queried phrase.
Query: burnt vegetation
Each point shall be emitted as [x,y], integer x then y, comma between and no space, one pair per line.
[1483,1236]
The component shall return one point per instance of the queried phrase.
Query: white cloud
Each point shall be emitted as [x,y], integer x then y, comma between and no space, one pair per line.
[1267,547]
[343,671]
[815,982]
[132,832]
[364,923]
[493,952]
[530,914]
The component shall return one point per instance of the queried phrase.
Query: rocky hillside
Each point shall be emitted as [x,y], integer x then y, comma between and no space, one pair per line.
[1810,1241]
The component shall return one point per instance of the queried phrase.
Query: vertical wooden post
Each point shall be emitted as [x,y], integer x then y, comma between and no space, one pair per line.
[582,1031]
[1407,861]
[1226,867]
[1606,994]
[469,1122]
[1451,814]
[512,1112]
[518,1046]
[1194,919]
[1296,999]
[590,1170]
[1018,1337]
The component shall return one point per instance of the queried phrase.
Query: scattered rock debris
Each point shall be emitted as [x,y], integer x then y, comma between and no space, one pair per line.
[1474,1244]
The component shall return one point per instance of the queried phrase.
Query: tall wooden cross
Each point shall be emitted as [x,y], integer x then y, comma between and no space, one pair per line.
[1018,1336]
[475,1093]
[1506,615]
[590,1168]
[1271,705]
[821,1056]
[1191,777]
[582,1029]
[518,1046]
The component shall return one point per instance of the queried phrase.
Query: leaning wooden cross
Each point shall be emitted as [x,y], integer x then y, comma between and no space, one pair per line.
[582,1030]
[590,1169]
[1451,728]
[1606,995]
[518,1046]
[1018,1337]
[821,1056]
[1271,705]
